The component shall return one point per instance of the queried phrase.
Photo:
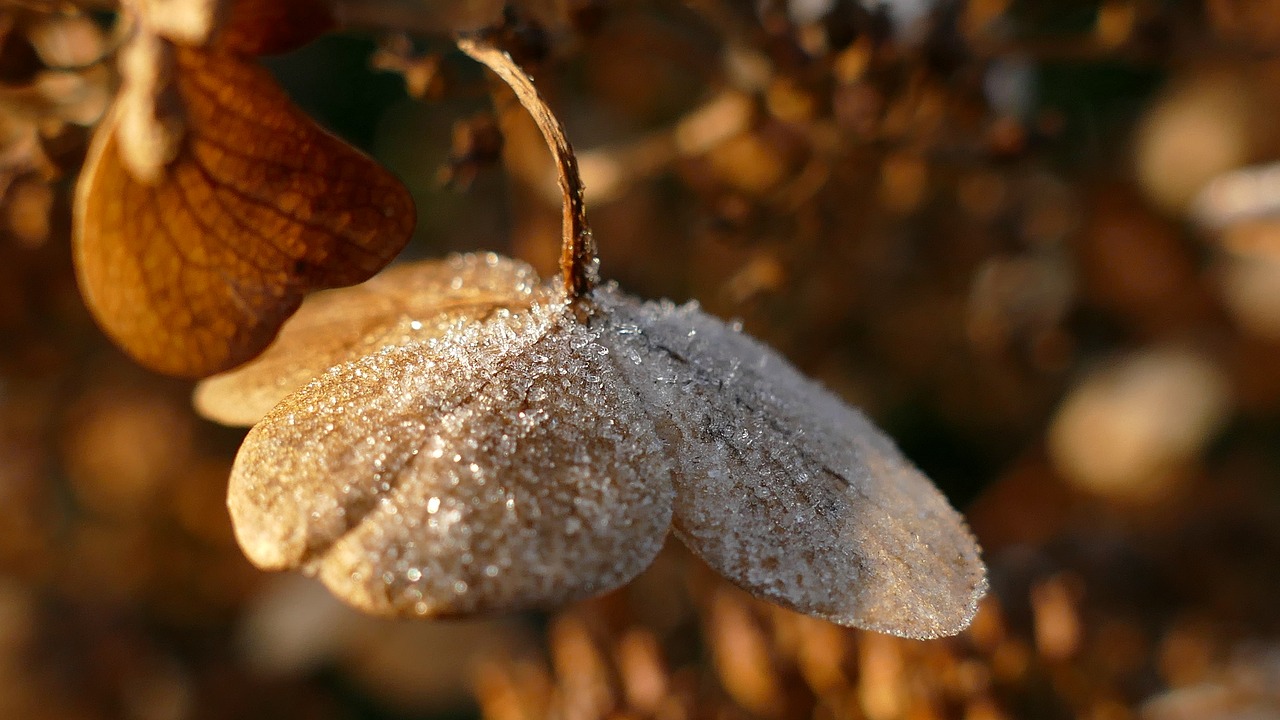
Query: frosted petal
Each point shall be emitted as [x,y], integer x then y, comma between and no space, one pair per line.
[406,303]
[787,491]
[495,467]
[478,445]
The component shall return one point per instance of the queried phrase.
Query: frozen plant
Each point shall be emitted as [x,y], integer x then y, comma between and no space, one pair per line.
[459,436]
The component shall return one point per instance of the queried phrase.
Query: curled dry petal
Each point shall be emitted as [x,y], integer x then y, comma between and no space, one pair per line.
[403,476]
[406,303]
[194,273]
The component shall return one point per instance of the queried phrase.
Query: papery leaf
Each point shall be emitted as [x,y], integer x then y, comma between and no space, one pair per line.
[790,493]
[466,473]
[406,303]
[194,273]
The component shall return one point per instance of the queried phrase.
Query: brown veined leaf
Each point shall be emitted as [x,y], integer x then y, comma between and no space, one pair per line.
[194,273]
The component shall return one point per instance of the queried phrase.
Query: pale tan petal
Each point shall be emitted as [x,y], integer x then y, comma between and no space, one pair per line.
[493,468]
[787,491]
[406,303]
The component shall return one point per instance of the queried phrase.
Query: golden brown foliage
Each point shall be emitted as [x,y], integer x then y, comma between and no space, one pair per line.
[196,238]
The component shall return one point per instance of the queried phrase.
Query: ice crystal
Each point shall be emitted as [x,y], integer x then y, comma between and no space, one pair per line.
[480,441]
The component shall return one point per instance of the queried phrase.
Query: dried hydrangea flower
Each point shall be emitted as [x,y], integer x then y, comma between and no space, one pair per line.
[495,442]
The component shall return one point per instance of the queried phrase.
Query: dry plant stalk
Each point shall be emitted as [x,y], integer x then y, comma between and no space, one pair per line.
[578,261]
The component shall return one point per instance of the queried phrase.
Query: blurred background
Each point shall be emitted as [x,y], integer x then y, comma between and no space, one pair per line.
[1038,242]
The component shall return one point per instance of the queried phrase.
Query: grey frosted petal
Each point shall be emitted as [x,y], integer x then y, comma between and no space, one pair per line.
[787,491]
[470,473]
[407,303]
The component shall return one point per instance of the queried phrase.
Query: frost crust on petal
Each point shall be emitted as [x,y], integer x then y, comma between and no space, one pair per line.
[524,452]
[473,472]
[787,491]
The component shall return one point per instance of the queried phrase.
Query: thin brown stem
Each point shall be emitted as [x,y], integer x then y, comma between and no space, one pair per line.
[578,259]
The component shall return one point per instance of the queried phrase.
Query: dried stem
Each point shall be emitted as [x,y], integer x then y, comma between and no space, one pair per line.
[578,256]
